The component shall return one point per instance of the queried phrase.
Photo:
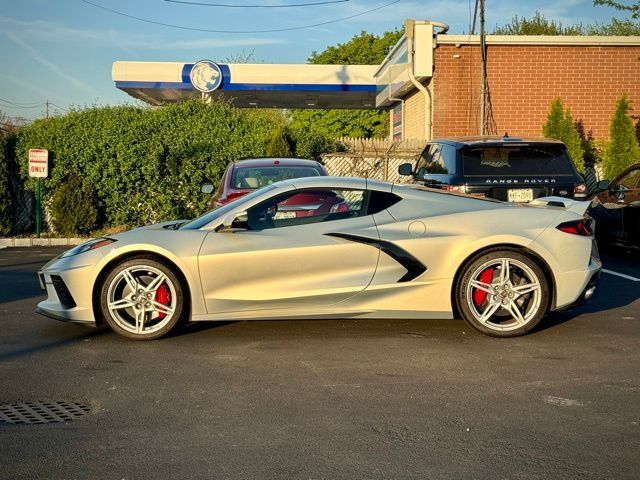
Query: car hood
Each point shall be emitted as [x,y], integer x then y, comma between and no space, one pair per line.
[167,225]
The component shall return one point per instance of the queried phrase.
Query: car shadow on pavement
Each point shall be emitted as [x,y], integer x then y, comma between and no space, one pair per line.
[197,327]
[15,354]
[612,293]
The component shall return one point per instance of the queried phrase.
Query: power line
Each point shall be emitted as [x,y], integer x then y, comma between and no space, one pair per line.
[22,105]
[59,107]
[228,5]
[194,29]
[44,103]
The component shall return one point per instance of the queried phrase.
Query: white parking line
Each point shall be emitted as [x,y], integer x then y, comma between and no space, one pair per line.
[628,277]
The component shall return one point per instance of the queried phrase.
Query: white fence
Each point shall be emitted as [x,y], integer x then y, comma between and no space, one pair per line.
[373,158]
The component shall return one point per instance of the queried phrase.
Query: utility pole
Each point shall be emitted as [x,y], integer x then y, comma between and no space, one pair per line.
[46,108]
[483,74]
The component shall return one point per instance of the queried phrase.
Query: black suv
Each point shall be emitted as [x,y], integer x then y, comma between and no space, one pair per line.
[505,168]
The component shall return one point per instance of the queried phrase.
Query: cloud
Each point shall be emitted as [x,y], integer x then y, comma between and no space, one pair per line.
[50,65]
[216,43]
[55,32]
[20,82]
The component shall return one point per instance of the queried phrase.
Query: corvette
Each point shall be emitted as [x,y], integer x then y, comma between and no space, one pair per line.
[381,251]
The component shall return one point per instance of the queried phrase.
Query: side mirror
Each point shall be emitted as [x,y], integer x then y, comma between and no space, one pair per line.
[234,221]
[207,188]
[603,185]
[406,169]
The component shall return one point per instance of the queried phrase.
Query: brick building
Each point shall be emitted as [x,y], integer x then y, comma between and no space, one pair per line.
[524,75]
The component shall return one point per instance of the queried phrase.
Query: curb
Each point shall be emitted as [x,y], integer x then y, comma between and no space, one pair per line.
[40,242]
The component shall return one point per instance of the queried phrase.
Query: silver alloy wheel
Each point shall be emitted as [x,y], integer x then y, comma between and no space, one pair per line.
[132,299]
[513,297]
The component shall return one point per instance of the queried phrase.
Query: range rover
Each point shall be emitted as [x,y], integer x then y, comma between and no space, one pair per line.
[505,168]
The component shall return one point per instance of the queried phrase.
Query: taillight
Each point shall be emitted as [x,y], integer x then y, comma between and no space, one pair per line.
[339,207]
[455,188]
[580,190]
[230,197]
[577,227]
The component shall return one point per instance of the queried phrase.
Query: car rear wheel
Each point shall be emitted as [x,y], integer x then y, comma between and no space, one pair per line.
[142,299]
[503,293]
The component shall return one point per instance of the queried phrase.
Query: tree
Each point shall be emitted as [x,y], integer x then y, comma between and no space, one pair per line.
[616,27]
[279,144]
[540,25]
[623,150]
[363,49]
[634,8]
[561,127]
[341,123]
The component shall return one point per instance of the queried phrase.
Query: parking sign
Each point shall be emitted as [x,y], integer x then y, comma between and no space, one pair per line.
[38,163]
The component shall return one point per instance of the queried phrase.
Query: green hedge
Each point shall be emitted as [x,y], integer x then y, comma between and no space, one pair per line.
[146,164]
[6,199]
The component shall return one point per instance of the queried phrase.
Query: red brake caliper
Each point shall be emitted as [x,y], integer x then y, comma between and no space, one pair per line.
[163,296]
[485,277]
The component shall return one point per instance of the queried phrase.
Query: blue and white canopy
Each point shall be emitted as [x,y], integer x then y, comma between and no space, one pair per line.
[250,85]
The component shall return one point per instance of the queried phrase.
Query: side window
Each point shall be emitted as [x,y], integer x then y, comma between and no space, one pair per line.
[306,207]
[378,201]
[448,153]
[437,158]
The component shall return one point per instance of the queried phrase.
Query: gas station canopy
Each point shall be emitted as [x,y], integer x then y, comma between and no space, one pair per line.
[250,85]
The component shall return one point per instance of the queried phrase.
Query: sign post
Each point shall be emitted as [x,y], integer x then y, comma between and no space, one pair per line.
[38,168]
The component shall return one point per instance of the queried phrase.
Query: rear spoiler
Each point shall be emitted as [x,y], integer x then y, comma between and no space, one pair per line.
[570,205]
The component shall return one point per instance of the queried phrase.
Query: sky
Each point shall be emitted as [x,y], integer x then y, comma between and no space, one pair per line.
[62,50]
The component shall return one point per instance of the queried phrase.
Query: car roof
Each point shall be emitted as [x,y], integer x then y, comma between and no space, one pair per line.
[494,140]
[271,161]
[326,182]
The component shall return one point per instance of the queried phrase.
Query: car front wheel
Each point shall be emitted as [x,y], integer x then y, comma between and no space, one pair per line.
[503,293]
[142,298]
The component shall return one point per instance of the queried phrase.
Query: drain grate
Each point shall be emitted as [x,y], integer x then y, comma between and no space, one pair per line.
[42,412]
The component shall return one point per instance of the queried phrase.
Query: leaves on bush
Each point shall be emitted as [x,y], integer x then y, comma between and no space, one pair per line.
[73,209]
[145,164]
[6,201]
[561,127]
[623,150]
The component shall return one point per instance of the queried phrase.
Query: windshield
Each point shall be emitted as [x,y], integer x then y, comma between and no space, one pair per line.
[516,160]
[209,217]
[257,177]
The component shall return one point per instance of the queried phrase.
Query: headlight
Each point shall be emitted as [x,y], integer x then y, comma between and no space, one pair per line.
[86,246]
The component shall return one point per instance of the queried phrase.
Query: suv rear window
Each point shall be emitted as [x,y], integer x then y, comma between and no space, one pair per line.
[513,160]
[257,177]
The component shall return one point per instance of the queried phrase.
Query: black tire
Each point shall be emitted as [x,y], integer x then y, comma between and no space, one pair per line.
[155,322]
[505,298]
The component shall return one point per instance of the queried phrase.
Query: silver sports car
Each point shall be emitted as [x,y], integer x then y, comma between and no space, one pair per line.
[329,247]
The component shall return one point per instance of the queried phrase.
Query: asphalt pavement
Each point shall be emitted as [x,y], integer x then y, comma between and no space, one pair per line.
[350,399]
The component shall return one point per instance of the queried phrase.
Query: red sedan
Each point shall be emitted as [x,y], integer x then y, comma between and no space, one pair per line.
[244,176]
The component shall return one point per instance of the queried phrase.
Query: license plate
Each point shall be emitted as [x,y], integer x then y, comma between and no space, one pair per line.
[520,195]
[284,215]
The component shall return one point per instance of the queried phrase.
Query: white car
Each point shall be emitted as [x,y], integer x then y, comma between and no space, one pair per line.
[331,247]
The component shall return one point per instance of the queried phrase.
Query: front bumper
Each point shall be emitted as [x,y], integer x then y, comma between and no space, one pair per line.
[63,316]
[69,286]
